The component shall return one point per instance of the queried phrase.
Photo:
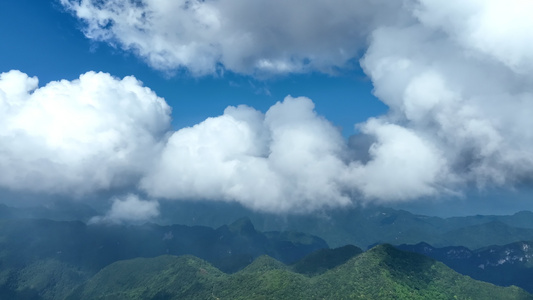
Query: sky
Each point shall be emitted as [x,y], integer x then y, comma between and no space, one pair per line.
[282,106]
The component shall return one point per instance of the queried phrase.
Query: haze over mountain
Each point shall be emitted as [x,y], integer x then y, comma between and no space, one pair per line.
[368,226]
[503,265]
[363,227]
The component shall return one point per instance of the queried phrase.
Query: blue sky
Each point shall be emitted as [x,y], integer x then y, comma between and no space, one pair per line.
[48,43]
[442,105]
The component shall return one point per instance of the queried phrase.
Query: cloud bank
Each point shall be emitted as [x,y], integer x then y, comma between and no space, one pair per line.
[456,75]
[99,133]
[291,159]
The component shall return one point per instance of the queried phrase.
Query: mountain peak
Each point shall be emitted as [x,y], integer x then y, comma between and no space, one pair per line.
[323,260]
[242,226]
[264,263]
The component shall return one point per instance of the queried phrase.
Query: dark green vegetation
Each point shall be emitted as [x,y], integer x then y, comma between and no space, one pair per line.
[380,273]
[46,259]
[505,265]
[325,259]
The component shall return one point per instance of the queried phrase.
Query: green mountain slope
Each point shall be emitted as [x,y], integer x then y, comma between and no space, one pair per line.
[164,277]
[387,273]
[380,273]
[322,260]
[44,259]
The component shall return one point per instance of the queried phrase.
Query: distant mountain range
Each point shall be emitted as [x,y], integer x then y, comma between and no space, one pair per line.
[505,265]
[47,259]
[363,227]
[369,226]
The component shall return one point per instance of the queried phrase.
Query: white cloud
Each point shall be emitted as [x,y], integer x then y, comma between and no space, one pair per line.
[402,165]
[127,209]
[497,28]
[291,159]
[457,77]
[266,36]
[461,79]
[287,159]
[75,137]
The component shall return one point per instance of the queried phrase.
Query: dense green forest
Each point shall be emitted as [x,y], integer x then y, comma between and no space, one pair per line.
[380,273]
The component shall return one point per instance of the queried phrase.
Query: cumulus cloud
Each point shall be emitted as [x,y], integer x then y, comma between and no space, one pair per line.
[76,137]
[291,159]
[266,36]
[286,159]
[456,75]
[129,209]
[459,79]
[402,165]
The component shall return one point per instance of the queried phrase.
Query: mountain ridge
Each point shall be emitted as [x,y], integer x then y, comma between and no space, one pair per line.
[504,265]
[418,277]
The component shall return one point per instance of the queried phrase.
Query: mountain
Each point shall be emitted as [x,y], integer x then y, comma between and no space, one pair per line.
[380,273]
[44,259]
[360,226]
[521,219]
[164,277]
[481,235]
[366,226]
[323,260]
[41,279]
[505,265]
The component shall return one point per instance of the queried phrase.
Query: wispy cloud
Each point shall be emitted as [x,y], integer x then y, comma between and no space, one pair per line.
[128,209]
